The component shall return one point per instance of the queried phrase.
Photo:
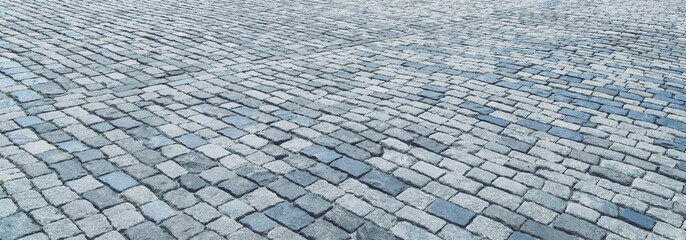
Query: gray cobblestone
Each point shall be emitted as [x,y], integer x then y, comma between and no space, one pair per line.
[488,228]
[353,119]
[17,225]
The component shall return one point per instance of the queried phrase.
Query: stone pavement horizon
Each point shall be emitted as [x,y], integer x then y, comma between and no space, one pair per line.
[311,119]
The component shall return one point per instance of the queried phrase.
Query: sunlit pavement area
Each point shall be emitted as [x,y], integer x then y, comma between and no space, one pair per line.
[342,119]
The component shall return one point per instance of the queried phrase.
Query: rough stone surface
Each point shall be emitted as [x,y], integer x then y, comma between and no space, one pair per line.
[118,181]
[529,119]
[291,217]
[578,227]
[383,182]
[451,212]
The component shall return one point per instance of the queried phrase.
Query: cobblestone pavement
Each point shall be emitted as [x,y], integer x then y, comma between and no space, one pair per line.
[355,119]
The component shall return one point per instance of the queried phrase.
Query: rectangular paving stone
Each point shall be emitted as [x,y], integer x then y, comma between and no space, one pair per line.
[451,212]
[488,228]
[16,226]
[622,228]
[146,230]
[182,226]
[125,123]
[614,176]
[534,125]
[322,229]
[344,219]
[637,219]
[239,122]
[258,222]
[493,120]
[286,189]
[565,133]
[543,231]
[353,152]
[302,178]
[353,167]
[157,211]
[191,141]
[237,186]
[69,170]
[291,217]
[476,107]
[578,227]
[233,133]
[103,198]
[320,153]
[504,216]
[25,95]
[519,236]
[119,181]
[329,174]
[27,121]
[158,141]
[383,182]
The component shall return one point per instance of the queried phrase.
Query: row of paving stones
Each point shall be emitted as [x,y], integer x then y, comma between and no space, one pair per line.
[549,135]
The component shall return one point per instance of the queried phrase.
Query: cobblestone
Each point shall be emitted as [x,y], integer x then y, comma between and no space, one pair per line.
[337,120]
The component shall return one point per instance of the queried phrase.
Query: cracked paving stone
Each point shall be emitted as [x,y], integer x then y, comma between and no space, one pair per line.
[291,217]
[383,182]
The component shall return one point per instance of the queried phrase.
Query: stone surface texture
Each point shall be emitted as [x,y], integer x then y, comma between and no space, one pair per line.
[352,119]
